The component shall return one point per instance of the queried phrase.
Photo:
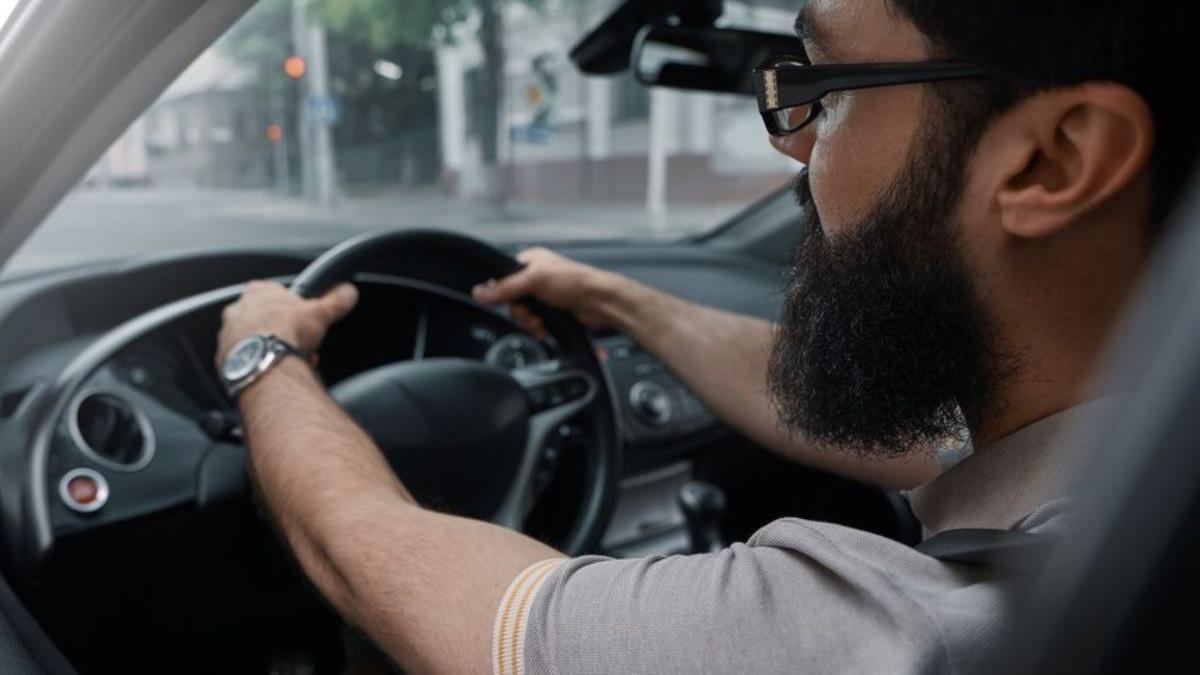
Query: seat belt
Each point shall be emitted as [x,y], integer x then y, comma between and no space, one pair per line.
[1004,551]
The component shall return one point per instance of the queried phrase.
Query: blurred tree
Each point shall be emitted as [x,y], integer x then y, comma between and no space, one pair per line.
[404,32]
[261,41]
[387,24]
[378,116]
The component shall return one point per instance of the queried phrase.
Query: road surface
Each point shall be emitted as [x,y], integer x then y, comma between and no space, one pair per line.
[94,224]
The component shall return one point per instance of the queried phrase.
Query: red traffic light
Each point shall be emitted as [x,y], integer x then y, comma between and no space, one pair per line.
[294,67]
[274,133]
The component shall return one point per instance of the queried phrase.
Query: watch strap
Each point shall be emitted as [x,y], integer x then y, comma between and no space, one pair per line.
[287,347]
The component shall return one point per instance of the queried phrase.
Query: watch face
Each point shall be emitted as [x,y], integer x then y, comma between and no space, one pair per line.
[244,358]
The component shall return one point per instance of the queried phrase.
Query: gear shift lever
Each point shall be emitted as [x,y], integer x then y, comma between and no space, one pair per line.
[703,506]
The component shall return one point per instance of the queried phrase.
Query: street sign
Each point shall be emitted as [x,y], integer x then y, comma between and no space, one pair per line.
[535,106]
[323,110]
[532,134]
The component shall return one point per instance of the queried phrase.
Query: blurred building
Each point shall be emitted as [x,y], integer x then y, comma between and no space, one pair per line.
[566,136]
[206,130]
[563,136]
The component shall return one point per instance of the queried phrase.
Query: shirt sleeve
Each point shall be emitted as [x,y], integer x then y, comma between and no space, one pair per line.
[508,633]
[792,600]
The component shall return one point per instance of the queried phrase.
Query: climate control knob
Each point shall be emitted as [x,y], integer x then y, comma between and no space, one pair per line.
[651,402]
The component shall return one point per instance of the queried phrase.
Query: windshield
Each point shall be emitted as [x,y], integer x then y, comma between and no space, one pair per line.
[314,120]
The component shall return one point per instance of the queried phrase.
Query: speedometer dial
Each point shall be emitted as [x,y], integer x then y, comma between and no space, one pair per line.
[515,350]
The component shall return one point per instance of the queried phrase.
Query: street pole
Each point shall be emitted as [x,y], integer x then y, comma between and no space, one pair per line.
[452,116]
[279,147]
[303,126]
[318,90]
[656,171]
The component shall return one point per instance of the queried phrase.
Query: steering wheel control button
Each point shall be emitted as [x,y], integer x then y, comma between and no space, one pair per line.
[538,397]
[651,402]
[83,490]
[558,393]
[575,388]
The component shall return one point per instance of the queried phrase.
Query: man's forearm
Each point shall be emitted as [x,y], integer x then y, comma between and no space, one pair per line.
[311,464]
[724,358]
[392,568]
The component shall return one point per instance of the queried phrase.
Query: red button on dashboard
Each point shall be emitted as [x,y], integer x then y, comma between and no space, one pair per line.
[83,489]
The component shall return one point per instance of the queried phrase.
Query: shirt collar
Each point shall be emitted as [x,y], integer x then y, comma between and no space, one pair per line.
[1001,483]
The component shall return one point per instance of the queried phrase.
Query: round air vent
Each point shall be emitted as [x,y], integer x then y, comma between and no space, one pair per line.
[108,428]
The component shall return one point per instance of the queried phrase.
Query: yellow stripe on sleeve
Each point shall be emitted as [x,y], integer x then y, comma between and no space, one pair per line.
[508,631]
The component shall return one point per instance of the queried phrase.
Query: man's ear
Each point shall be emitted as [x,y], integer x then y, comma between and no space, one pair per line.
[1067,152]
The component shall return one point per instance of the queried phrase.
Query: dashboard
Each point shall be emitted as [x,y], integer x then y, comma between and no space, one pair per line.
[152,430]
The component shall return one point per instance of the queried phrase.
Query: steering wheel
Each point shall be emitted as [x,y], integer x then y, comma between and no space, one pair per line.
[465,436]
[468,434]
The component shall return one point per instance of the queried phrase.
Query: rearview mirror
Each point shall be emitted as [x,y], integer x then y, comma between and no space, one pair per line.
[704,59]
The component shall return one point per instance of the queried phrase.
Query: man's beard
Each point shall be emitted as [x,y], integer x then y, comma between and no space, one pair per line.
[884,346]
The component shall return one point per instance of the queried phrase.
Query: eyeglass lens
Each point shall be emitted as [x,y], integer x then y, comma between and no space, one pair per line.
[793,119]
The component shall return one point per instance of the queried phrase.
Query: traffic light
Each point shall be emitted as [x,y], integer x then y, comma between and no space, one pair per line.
[294,67]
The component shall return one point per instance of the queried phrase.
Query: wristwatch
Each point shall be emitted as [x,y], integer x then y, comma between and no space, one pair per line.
[252,358]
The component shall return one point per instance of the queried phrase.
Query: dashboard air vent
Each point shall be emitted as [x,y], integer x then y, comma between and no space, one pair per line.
[112,431]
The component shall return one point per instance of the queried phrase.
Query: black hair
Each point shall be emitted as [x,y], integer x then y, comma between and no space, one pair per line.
[1033,46]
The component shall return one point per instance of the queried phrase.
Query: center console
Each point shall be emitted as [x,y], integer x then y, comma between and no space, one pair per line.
[662,421]
[656,408]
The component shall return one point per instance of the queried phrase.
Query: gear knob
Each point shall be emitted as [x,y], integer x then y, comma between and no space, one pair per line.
[703,505]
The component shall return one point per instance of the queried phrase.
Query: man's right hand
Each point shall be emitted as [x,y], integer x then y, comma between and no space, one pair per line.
[560,282]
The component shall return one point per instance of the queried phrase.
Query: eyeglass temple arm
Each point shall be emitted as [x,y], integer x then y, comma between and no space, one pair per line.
[810,83]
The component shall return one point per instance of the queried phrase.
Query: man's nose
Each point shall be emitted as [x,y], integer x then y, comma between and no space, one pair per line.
[796,145]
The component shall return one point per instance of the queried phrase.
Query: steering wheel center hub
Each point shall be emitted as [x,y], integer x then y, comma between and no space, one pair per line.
[455,429]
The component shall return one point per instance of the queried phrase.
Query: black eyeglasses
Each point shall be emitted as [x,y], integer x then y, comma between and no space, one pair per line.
[790,89]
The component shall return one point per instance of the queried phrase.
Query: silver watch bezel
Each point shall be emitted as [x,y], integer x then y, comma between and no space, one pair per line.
[273,350]
[263,348]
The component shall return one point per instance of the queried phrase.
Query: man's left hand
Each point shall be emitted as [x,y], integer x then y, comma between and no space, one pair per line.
[268,307]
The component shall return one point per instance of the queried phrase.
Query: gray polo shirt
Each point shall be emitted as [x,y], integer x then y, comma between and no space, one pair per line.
[802,596]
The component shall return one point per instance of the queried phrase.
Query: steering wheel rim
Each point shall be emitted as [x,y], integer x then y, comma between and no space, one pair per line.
[602,471]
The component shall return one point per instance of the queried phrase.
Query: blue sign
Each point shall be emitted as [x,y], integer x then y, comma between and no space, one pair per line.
[533,134]
[323,110]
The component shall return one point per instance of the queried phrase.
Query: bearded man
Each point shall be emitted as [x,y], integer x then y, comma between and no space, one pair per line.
[985,180]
